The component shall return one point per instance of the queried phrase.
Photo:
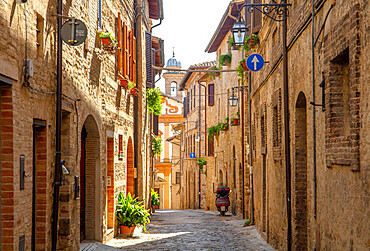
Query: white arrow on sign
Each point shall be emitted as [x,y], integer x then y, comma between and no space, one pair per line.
[255,61]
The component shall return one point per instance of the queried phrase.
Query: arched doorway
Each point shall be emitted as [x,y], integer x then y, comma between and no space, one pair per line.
[130,167]
[89,181]
[300,175]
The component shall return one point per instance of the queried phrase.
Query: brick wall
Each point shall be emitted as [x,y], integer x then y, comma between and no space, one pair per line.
[8,174]
[343,95]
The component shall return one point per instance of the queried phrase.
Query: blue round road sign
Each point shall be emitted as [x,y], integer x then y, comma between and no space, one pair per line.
[255,62]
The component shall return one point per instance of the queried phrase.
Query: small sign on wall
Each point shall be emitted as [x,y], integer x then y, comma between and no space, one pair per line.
[109,181]
[192,155]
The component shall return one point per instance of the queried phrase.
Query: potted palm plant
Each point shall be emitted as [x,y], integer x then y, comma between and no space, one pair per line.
[131,213]
[154,200]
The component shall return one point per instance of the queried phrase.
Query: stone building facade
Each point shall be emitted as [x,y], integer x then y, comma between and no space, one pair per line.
[328,209]
[193,181]
[328,203]
[172,114]
[226,160]
[101,121]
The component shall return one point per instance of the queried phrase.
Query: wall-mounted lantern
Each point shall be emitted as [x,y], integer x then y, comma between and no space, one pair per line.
[239,30]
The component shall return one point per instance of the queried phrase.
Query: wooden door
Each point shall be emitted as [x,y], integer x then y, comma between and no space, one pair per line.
[82,183]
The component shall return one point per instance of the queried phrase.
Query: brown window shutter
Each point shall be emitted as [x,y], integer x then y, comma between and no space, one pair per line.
[211,147]
[124,47]
[134,61]
[148,55]
[211,94]
[127,56]
[132,55]
[119,41]
[257,19]
[155,125]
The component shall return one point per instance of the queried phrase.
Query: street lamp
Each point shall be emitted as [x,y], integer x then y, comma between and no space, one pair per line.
[233,100]
[239,29]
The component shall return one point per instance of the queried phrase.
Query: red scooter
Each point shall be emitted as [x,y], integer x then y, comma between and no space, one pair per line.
[222,199]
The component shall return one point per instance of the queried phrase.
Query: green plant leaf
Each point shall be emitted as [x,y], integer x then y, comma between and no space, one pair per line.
[154,100]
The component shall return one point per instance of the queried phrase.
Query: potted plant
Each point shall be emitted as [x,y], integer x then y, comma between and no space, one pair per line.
[157,146]
[124,83]
[200,163]
[225,59]
[154,100]
[213,131]
[154,200]
[251,42]
[235,120]
[227,119]
[131,213]
[225,126]
[133,90]
[107,41]
[242,68]
[212,75]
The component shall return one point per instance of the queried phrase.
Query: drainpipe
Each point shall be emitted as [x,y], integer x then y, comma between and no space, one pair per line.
[160,22]
[243,150]
[200,142]
[314,108]
[286,131]
[58,145]
[250,144]
[136,106]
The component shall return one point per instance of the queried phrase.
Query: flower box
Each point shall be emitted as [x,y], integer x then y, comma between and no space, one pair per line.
[134,91]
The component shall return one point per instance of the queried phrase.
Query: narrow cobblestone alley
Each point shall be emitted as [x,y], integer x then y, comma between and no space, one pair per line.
[189,230]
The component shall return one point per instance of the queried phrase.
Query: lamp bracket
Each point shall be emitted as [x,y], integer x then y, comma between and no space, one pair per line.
[276,11]
[241,88]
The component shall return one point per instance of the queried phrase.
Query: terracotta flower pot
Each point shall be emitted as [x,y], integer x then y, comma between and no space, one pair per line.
[236,122]
[134,91]
[105,41]
[126,231]
[124,83]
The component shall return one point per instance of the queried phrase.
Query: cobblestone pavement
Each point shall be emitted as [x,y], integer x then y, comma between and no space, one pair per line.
[188,230]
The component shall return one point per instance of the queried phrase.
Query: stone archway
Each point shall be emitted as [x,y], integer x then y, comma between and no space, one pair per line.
[300,175]
[90,181]
[130,168]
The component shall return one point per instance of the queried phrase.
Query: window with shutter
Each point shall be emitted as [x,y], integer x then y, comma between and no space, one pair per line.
[148,55]
[134,60]
[155,125]
[119,41]
[127,49]
[194,96]
[211,94]
[124,49]
[211,147]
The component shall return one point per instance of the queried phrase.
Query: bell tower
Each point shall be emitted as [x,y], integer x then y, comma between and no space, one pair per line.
[173,78]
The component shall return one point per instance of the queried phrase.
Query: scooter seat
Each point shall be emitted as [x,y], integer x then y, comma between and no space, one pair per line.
[222,202]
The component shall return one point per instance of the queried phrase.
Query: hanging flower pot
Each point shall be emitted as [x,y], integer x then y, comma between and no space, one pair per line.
[235,121]
[108,41]
[134,91]
[105,41]
[124,83]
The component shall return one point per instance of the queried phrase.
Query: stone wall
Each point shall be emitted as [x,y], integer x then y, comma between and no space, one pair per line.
[92,99]
[341,134]
[226,166]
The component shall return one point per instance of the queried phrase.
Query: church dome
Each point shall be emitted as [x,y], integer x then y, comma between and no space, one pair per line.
[172,62]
